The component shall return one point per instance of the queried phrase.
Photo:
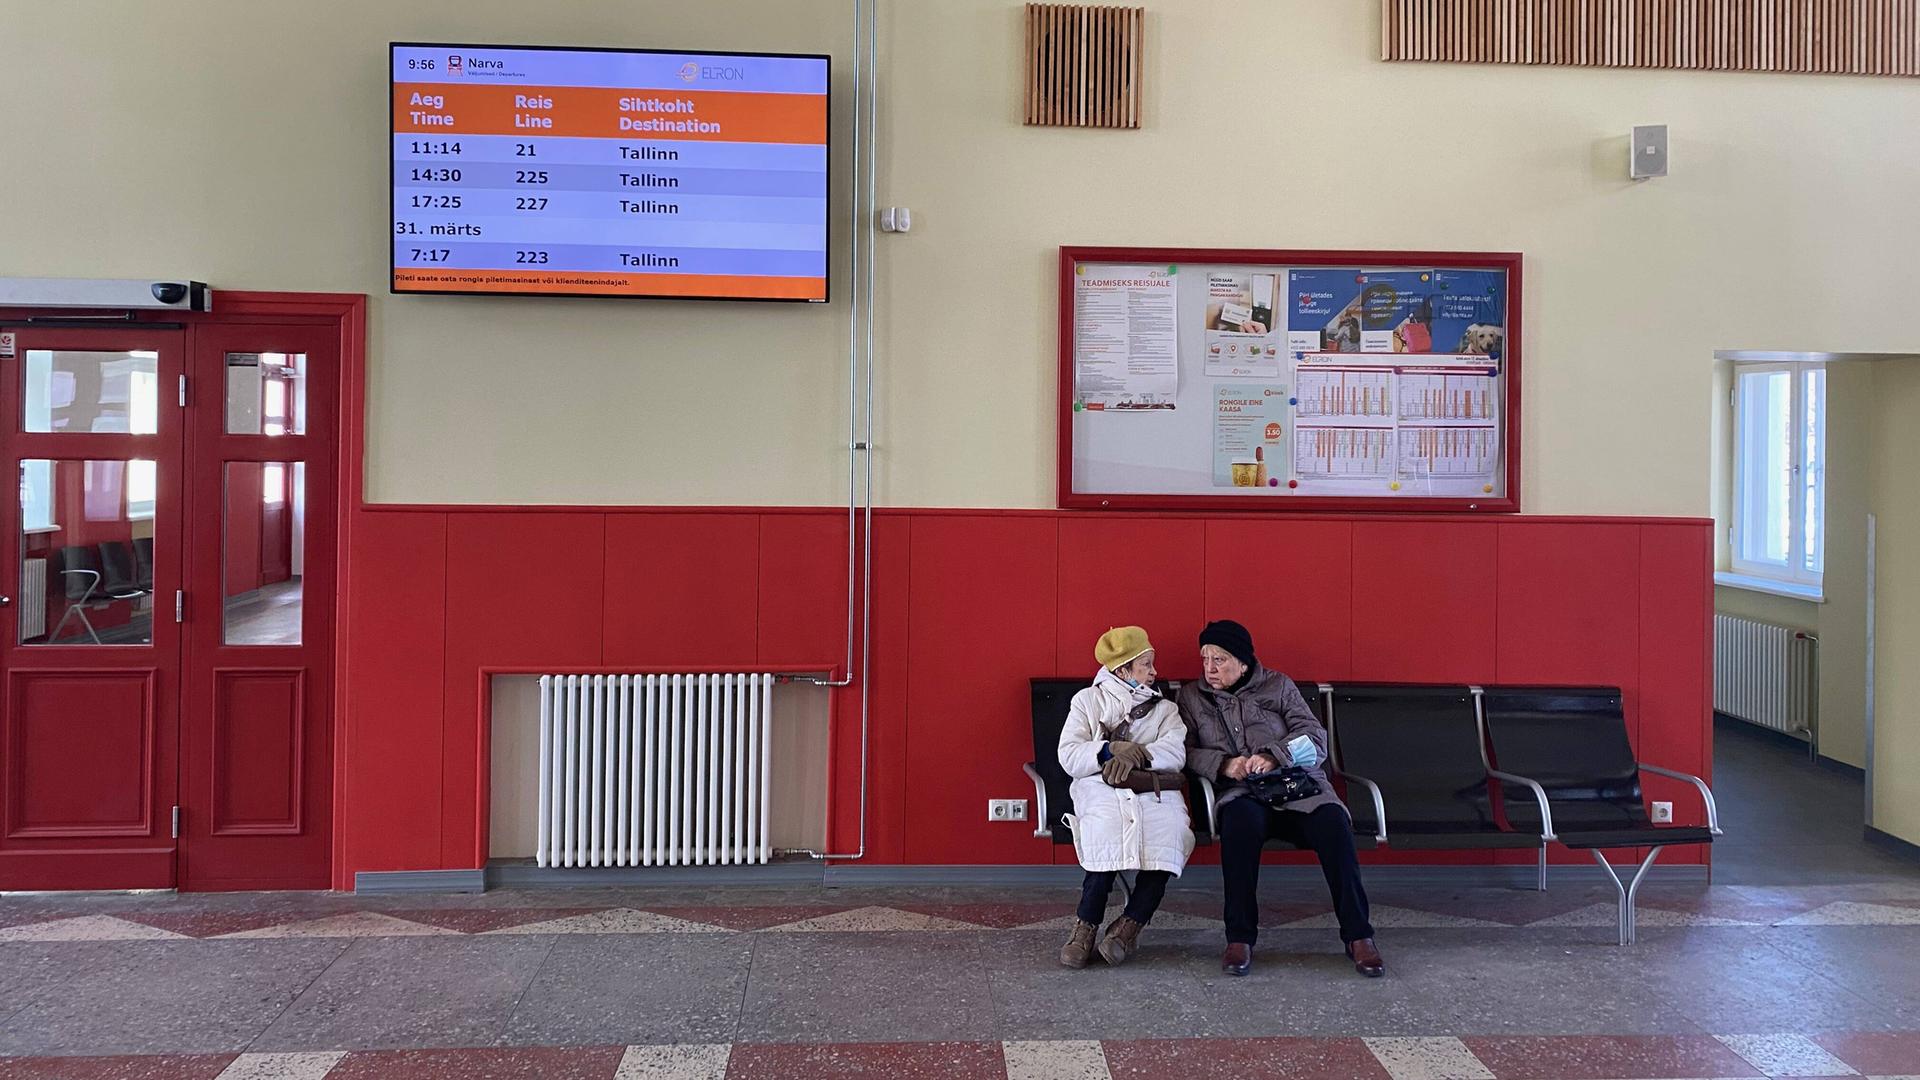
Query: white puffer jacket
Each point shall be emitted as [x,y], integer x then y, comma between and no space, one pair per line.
[1114,828]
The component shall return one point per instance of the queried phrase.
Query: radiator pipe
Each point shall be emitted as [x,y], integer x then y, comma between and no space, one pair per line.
[860,399]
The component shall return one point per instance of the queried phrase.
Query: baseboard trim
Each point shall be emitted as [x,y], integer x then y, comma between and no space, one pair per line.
[1890,843]
[527,875]
[375,882]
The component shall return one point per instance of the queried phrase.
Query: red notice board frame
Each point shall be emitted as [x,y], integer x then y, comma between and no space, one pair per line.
[1509,261]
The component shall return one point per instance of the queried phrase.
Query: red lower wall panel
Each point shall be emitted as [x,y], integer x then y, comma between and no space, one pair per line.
[968,606]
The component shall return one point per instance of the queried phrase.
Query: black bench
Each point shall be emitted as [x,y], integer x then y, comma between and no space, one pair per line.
[1423,749]
[1572,742]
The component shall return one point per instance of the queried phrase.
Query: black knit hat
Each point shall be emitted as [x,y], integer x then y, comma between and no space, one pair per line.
[1232,637]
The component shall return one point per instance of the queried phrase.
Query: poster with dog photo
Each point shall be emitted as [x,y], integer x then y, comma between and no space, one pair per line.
[1447,312]
[1240,333]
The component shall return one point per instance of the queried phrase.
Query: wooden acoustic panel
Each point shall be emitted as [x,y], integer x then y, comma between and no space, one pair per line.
[1830,37]
[1084,65]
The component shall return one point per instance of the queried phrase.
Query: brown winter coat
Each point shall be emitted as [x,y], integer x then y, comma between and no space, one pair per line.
[1259,718]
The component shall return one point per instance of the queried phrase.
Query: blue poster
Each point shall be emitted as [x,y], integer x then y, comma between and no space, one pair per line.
[1350,310]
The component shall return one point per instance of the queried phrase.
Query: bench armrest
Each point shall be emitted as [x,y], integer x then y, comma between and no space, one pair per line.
[1042,823]
[1706,793]
[1206,788]
[1539,794]
[1379,804]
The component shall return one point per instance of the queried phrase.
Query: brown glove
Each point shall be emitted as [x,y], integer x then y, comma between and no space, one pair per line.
[1130,752]
[1115,771]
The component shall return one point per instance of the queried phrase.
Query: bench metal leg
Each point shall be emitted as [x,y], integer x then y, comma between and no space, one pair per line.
[1542,887]
[1626,891]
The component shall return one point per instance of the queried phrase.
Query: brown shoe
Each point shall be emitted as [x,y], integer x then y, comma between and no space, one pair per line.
[1238,959]
[1079,947]
[1121,941]
[1366,958]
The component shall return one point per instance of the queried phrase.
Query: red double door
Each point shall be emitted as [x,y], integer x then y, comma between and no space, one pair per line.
[166,629]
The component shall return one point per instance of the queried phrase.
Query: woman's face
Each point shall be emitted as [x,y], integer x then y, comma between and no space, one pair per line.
[1139,669]
[1221,668]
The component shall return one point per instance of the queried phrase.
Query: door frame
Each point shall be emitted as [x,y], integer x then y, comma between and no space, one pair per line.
[344,315]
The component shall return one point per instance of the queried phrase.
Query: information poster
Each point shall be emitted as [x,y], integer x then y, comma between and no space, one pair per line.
[1126,340]
[1249,435]
[1241,338]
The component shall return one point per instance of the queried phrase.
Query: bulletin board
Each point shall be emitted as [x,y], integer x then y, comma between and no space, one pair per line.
[1223,378]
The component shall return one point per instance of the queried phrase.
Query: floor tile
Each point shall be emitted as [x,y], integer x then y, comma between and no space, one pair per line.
[1628,1057]
[353,924]
[1385,917]
[482,920]
[394,993]
[526,1063]
[1875,1053]
[1786,1055]
[871,919]
[86,928]
[1855,913]
[1062,1059]
[684,1061]
[169,1067]
[1433,1057]
[868,1061]
[882,986]
[169,997]
[610,921]
[1878,964]
[1243,1059]
[646,988]
[1738,983]
[746,917]
[312,1065]
[1157,994]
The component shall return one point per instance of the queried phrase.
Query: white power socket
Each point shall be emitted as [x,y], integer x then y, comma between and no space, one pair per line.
[1663,813]
[1006,809]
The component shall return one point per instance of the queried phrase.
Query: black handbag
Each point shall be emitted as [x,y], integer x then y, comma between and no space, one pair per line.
[1281,786]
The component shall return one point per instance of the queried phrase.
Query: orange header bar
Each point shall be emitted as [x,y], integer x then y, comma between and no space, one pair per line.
[732,286]
[599,113]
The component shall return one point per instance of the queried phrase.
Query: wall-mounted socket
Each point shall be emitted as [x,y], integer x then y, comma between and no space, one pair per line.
[1006,809]
[1663,813]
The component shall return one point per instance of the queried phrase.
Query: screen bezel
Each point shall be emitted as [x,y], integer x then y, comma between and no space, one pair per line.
[392,172]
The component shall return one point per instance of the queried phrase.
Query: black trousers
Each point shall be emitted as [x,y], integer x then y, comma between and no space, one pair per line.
[1149,888]
[1246,824]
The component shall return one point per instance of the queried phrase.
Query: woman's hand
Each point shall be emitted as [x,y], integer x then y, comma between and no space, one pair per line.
[1115,771]
[1235,769]
[1259,763]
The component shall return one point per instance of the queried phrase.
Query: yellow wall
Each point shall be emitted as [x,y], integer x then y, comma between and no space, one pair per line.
[1895,463]
[243,141]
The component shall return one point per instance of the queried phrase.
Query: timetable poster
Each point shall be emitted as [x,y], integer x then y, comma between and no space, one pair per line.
[603,172]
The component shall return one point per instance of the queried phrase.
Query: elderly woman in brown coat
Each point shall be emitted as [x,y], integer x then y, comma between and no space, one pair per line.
[1243,720]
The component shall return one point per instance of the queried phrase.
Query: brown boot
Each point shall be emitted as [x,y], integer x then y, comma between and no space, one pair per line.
[1079,947]
[1121,942]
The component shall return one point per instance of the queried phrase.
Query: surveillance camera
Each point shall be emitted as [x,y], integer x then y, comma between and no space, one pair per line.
[169,292]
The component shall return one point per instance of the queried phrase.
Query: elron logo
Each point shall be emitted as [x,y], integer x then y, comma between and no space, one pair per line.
[689,71]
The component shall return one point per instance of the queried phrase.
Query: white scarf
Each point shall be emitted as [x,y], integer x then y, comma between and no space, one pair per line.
[1120,688]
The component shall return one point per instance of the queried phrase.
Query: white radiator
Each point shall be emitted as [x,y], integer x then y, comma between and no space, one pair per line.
[33,598]
[1765,674]
[654,770]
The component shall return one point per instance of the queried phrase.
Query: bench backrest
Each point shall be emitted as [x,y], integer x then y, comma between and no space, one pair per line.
[1052,698]
[1421,744]
[1573,741]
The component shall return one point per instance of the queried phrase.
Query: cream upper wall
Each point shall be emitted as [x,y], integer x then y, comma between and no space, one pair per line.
[244,142]
[1895,460]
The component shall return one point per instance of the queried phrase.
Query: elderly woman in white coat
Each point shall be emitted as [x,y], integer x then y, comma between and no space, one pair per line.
[1124,745]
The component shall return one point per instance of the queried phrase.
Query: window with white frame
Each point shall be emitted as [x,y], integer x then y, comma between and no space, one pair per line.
[1779,471]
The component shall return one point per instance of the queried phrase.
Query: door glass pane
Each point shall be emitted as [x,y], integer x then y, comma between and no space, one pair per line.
[86,553]
[75,391]
[263,525]
[266,394]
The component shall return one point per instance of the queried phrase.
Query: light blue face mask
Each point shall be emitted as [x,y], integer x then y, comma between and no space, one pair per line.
[1135,683]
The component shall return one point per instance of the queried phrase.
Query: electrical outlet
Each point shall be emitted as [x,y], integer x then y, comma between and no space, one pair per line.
[1663,813]
[1019,809]
[1006,809]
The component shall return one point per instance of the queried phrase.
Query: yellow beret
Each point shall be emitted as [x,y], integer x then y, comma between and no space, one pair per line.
[1121,645]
